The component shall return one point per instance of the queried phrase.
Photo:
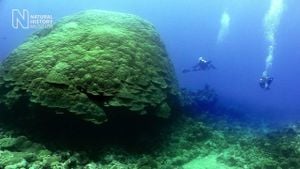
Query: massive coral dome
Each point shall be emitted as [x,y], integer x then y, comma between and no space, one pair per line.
[93,65]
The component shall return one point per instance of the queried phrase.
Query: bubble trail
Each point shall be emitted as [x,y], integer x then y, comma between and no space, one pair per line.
[225,23]
[271,22]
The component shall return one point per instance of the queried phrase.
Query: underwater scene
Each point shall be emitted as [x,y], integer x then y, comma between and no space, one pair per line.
[136,84]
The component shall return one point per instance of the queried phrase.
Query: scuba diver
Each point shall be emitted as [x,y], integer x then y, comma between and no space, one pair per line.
[265,82]
[202,64]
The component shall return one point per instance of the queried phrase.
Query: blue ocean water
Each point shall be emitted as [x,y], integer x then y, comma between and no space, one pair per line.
[192,28]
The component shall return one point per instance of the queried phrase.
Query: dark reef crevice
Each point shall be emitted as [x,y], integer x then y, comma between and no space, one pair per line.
[66,132]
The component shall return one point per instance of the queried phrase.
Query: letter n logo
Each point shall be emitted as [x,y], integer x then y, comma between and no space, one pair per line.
[20,18]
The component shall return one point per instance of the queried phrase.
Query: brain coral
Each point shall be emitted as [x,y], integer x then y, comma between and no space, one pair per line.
[92,65]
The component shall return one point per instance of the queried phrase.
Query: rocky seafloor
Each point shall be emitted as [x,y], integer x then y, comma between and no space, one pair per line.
[202,142]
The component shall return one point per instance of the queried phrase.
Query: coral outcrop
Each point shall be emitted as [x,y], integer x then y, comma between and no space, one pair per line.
[203,99]
[94,65]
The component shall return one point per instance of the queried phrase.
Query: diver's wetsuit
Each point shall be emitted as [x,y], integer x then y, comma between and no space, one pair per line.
[201,65]
[265,82]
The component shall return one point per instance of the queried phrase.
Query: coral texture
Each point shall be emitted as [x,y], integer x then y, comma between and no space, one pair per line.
[94,65]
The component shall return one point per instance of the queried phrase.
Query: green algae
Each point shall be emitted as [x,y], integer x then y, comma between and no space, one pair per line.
[88,60]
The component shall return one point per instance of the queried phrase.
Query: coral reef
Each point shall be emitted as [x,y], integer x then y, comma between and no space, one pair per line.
[173,147]
[95,65]
[187,143]
[284,146]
